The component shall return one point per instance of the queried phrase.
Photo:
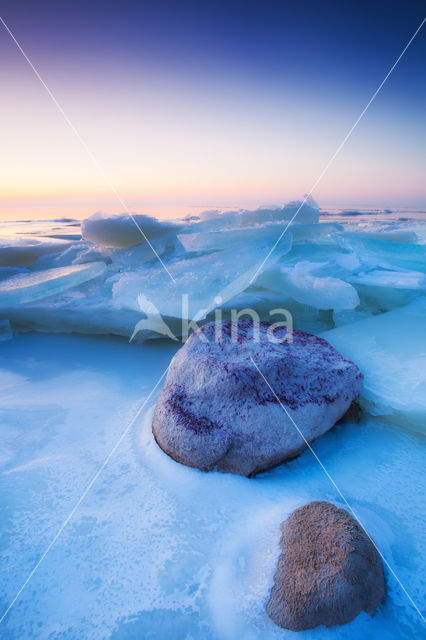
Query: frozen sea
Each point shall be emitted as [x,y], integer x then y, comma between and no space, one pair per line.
[104,536]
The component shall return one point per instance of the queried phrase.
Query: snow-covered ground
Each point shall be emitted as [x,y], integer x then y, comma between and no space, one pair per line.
[158,550]
[155,549]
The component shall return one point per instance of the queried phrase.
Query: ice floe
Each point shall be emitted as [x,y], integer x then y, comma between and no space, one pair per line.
[123,230]
[25,251]
[325,273]
[299,283]
[390,350]
[28,287]
[302,213]
[392,279]
[409,255]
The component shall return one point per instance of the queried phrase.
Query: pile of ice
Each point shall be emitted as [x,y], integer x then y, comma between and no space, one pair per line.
[390,349]
[125,230]
[139,277]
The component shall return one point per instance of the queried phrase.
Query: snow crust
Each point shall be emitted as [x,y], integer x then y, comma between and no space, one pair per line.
[156,549]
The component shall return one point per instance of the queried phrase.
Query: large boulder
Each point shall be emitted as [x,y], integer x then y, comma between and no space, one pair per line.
[217,412]
[328,571]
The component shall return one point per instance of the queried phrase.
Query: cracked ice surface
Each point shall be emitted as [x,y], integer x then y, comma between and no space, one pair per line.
[157,549]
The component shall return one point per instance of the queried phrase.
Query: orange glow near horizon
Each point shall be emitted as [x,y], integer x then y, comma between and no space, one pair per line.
[168,145]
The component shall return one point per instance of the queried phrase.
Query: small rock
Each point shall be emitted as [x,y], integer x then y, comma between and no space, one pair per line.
[217,412]
[328,571]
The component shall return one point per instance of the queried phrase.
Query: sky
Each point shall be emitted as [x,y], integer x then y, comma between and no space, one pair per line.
[204,104]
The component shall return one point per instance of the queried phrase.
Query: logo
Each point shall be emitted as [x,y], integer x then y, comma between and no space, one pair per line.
[155,323]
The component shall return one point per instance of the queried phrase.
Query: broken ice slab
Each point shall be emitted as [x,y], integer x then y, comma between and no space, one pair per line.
[35,285]
[399,254]
[123,230]
[391,279]
[298,212]
[300,283]
[216,240]
[8,272]
[78,253]
[199,285]
[194,240]
[392,235]
[16,252]
[63,314]
[382,290]
[390,350]
[315,233]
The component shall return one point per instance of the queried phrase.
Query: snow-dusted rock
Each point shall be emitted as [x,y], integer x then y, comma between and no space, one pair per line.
[217,412]
[328,571]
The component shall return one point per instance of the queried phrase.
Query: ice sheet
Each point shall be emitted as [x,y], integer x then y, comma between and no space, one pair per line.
[390,350]
[32,286]
[299,283]
[17,251]
[123,230]
[302,212]
[324,273]
[407,255]
[199,281]
[156,549]
[391,279]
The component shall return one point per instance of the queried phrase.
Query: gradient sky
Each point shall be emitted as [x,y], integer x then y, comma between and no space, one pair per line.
[210,104]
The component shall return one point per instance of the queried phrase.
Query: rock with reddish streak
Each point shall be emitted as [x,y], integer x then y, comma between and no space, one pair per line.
[217,412]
